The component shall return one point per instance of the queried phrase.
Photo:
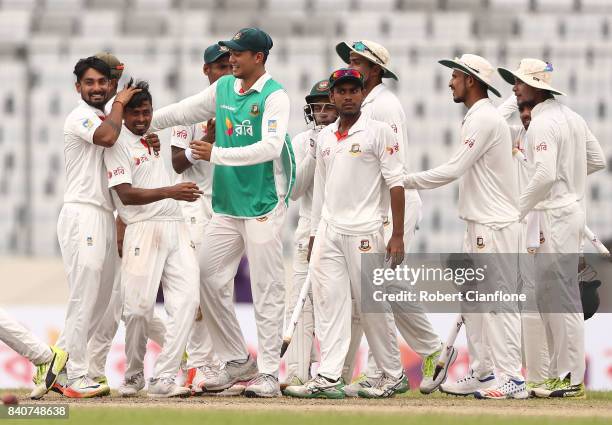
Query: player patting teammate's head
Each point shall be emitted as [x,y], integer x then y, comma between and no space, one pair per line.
[249,49]
[318,109]
[216,62]
[93,81]
[138,112]
[346,91]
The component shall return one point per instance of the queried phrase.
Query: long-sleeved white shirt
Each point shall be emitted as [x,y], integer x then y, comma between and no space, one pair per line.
[488,191]
[202,106]
[303,144]
[349,175]
[381,104]
[518,133]
[564,151]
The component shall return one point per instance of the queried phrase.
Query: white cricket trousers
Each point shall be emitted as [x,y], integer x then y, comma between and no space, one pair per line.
[562,230]
[199,345]
[225,240]
[87,240]
[17,337]
[301,353]
[414,326]
[536,359]
[494,338]
[153,251]
[336,279]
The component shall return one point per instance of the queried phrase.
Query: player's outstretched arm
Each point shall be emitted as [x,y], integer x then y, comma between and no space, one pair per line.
[130,195]
[108,132]
[191,110]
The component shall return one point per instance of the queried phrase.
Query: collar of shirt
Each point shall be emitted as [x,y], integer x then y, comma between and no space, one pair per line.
[134,138]
[98,112]
[376,91]
[258,86]
[542,106]
[359,125]
[475,107]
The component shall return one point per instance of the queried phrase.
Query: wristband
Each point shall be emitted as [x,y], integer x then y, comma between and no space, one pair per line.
[119,102]
[189,156]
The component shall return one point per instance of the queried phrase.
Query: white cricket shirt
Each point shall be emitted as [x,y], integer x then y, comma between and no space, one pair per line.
[132,161]
[305,162]
[349,175]
[85,172]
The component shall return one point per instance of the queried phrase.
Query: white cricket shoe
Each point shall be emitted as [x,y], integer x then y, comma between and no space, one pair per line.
[166,388]
[84,387]
[428,383]
[230,373]
[508,388]
[468,385]
[386,386]
[360,383]
[317,387]
[132,385]
[263,385]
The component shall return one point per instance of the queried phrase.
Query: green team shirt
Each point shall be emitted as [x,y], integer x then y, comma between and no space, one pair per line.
[247,191]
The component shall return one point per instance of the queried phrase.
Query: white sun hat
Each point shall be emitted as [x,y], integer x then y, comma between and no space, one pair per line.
[474,65]
[370,50]
[533,72]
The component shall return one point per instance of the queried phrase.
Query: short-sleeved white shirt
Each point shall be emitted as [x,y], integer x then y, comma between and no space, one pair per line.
[131,161]
[85,172]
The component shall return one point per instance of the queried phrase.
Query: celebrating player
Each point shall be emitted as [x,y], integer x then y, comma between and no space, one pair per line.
[252,179]
[156,246]
[488,203]
[354,156]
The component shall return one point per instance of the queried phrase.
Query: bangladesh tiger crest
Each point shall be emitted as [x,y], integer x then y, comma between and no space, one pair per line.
[355,149]
[254,110]
[542,238]
[364,246]
[480,242]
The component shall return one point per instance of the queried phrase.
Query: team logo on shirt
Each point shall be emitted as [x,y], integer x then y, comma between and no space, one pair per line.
[229,127]
[542,238]
[541,147]
[355,149]
[87,123]
[393,149]
[325,152]
[116,172]
[254,110]
[364,246]
[394,127]
[89,241]
[469,142]
[480,242]
[142,159]
[272,125]
[182,134]
[244,128]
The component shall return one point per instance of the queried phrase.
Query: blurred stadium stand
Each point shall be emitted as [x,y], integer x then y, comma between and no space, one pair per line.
[162,41]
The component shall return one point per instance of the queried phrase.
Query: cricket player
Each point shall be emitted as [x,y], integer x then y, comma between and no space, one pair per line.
[354,156]
[49,360]
[201,357]
[373,61]
[156,247]
[564,152]
[319,113]
[536,357]
[488,197]
[100,342]
[253,174]
[86,226]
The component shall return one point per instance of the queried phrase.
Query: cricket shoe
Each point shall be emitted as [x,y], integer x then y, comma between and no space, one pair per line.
[230,373]
[511,388]
[263,385]
[294,380]
[47,373]
[166,388]
[318,387]
[132,385]
[385,387]
[84,387]
[104,381]
[190,380]
[532,385]
[359,383]
[468,385]
[559,388]
[428,383]
[61,382]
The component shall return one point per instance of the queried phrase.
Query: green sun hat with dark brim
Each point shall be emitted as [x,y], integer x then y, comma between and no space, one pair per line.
[214,53]
[252,39]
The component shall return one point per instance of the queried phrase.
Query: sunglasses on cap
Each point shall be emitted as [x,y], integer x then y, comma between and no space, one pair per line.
[361,47]
[345,72]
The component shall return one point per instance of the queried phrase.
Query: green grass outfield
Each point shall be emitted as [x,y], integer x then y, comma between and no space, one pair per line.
[409,409]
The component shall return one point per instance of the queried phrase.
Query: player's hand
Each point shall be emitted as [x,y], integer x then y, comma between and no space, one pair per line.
[153,141]
[120,234]
[395,251]
[201,149]
[210,131]
[310,245]
[187,191]
[125,95]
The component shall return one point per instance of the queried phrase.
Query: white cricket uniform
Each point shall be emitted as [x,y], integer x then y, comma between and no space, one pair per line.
[227,237]
[346,210]
[488,197]
[564,151]
[536,358]
[156,247]
[381,104]
[17,337]
[197,215]
[86,234]
[301,352]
